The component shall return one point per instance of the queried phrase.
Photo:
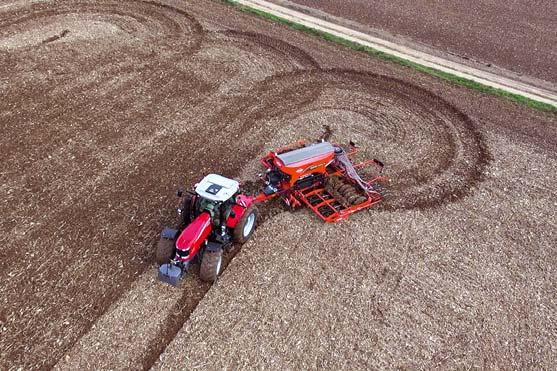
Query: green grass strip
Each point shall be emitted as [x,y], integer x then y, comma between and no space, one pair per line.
[401,61]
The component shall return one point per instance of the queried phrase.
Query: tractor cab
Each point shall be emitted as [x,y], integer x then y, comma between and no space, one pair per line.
[217,188]
[216,196]
[213,216]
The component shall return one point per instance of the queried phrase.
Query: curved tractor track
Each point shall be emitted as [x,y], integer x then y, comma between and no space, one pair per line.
[104,107]
[434,153]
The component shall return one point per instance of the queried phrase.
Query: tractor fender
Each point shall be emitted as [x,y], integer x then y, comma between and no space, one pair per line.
[238,210]
[193,236]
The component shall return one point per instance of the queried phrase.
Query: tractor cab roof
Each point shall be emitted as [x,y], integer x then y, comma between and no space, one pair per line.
[216,187]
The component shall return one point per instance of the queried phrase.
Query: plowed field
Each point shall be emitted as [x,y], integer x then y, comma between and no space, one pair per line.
[106,107]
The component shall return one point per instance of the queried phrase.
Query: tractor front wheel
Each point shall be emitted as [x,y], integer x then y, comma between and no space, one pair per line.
[165,249]
[211,263]
[246,225]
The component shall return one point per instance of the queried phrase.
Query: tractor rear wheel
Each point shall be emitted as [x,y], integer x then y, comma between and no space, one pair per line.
[211,263]
[246,225]
[165,249]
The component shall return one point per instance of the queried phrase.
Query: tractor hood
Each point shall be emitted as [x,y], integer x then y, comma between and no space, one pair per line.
[193,236]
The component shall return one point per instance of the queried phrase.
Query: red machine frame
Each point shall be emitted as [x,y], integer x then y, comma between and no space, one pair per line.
[316,196]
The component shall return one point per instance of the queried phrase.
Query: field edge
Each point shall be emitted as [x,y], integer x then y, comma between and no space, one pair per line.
[460,81]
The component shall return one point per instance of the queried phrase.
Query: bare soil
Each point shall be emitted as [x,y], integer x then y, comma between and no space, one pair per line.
[518,36]
[106,108]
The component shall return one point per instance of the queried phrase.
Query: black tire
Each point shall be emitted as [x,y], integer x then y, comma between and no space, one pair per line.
[360,200]
[186,206]
[334,181]
[344,188]
[246,225]
[165,251]
[352,197]
[211,264]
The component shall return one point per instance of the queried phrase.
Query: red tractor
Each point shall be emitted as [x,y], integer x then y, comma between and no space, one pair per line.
[217,214]
[212,217]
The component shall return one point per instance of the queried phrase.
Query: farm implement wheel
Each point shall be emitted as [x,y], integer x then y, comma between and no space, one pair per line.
[346,193]
[246,225]
[332,186]
[165,249]
[211,263]
[380,189]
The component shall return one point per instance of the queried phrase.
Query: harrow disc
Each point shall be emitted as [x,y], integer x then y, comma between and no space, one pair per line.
[345,193]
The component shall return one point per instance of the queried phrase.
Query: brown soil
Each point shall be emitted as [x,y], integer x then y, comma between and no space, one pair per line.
[517,36]
[100,125]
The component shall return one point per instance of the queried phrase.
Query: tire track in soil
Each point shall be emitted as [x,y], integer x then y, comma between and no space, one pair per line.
[155,23]
[31,334]
[188,300]
[394,115]
[52,105]
[77,276]
[184,305]
[254,108]
[262,103]
[277,47]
